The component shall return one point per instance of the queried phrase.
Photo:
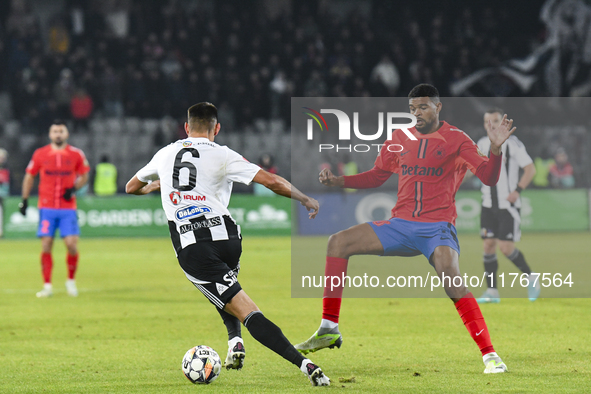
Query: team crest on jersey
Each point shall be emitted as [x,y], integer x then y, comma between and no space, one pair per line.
[191,212]
[175,198]
[439,152]
[187,143]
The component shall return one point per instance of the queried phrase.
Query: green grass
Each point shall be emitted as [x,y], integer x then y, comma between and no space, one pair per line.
[137,315]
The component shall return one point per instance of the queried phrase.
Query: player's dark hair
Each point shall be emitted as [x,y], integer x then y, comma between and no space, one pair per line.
[425,90]
[495,110]
[58,122]
[202,116]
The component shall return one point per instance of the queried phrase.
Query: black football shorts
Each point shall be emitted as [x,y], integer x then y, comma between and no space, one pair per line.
[503,224]
[213,266]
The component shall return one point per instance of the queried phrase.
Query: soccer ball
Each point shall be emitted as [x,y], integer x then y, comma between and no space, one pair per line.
[202,364]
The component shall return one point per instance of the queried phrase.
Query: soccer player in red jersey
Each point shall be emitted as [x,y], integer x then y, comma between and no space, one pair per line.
[430,170]
[62,170]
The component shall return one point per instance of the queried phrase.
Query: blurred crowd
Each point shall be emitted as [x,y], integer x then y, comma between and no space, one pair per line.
[155,58]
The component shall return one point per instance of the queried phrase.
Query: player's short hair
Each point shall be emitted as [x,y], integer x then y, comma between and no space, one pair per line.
[58,122]
[495,110]
[425,90]
[202,116]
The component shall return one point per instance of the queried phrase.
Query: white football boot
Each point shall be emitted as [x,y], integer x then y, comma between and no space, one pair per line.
[71,288]
[314,373]
[236,354]
[46,292]
[493,363]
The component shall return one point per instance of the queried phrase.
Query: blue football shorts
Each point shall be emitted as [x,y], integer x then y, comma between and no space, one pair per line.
[52,219]
[401,237]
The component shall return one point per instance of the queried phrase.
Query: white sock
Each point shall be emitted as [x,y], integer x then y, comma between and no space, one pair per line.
[47,286]
[304,364]
[329,325]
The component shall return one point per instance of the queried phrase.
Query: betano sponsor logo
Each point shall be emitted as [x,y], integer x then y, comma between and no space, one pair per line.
[191,211]
[344,131]
[418,170]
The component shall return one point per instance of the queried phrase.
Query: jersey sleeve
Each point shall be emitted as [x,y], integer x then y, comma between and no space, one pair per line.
[471,153]
[150,171]
[82,166]
[238,169]
[523,158]
[386,160]
[487,169]
[35,164]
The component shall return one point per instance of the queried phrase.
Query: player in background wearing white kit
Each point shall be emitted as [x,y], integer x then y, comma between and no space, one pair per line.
[194,177]
[500,219]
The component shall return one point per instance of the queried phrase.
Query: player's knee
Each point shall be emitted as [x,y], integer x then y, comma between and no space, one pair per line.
[490,246]
[507,248]
[337,245]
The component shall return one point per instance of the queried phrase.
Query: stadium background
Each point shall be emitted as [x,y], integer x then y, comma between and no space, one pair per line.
[122,73]
[143,62]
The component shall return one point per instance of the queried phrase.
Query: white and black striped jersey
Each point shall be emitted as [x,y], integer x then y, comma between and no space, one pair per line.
[196,177]
[515,157]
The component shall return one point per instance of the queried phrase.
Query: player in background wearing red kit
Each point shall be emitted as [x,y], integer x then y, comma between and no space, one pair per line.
[62,170]
[430,171]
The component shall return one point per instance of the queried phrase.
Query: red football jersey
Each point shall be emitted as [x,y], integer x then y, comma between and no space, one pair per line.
[430,171]
[58,169]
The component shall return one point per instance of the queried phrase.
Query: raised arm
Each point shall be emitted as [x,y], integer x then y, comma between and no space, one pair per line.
[281,186]
[488,171]
[365,180]
[137,187]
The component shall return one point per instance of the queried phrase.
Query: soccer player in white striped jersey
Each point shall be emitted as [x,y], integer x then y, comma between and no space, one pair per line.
[195,177]
[500,219]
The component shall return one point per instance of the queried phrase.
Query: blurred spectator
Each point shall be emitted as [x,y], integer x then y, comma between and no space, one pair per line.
[279,94]
[112,93]
[561,172]
[63,91]
[315,86]
[386,75]
[105,179]
[59,39]
[4,186]
[81,107]
[4,175]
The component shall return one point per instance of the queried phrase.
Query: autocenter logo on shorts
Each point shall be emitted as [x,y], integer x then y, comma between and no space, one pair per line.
[344,129]
[191,211]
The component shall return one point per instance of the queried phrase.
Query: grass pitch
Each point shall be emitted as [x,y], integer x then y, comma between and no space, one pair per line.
[137,315]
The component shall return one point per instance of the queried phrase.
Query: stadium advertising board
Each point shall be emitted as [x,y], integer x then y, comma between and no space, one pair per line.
[133,217]
[348,136]
[569,211]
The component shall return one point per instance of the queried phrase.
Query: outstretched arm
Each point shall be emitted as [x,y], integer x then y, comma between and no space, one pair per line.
[365,180]
[135,186]
[28,182]
[281,186]
[488,171]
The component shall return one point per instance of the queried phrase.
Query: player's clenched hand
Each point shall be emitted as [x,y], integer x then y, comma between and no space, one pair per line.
[327,178]
[69,193]
[312,206]
[22,206]
[513,196]
[500,134]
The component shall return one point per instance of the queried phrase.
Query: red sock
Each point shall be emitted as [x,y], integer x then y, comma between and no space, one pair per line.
[472,317]
[331,301]
[46,266]
[72,265]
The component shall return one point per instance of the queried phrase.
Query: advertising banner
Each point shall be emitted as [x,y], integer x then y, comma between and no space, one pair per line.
[130,216]
[542,210]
